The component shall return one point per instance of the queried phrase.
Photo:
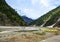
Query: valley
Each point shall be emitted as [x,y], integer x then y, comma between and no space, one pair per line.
[17,28]
[26,34]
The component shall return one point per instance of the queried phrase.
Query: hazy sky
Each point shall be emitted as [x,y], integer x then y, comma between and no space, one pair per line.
[33,8]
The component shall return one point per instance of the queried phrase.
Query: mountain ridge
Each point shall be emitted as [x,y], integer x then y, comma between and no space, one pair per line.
[27,19]
[48,19]
[8,16]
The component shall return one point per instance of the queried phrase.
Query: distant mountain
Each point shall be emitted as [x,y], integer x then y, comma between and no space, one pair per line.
[27,20]
[8,16]
[52,18]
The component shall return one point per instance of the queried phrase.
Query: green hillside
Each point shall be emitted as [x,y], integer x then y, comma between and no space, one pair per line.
[50,18]
[8,16]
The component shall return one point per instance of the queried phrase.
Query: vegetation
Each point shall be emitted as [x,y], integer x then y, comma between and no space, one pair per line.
[49,18]
[33,36]
[9,16]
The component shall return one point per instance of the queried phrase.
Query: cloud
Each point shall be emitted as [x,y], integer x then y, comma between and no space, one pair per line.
[31,13]
[50,2]
[44,2]
[33,8]
[34,2]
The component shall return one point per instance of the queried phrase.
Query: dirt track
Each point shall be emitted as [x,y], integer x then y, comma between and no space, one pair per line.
[52,39]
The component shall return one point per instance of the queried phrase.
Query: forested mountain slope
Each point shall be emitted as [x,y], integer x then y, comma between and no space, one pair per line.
[49,19]
[8,16]
[27,20]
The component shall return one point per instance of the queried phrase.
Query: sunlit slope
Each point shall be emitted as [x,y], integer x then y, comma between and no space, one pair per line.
[50,18]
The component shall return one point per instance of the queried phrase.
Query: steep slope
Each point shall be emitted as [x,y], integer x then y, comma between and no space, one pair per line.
[27,20]
[49,18]
[8,16]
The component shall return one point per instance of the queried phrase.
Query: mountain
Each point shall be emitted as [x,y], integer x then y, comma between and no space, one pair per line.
[52,18]
[8,16]
[27,20]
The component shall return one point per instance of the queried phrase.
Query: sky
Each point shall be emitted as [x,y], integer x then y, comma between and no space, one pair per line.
[33,8]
